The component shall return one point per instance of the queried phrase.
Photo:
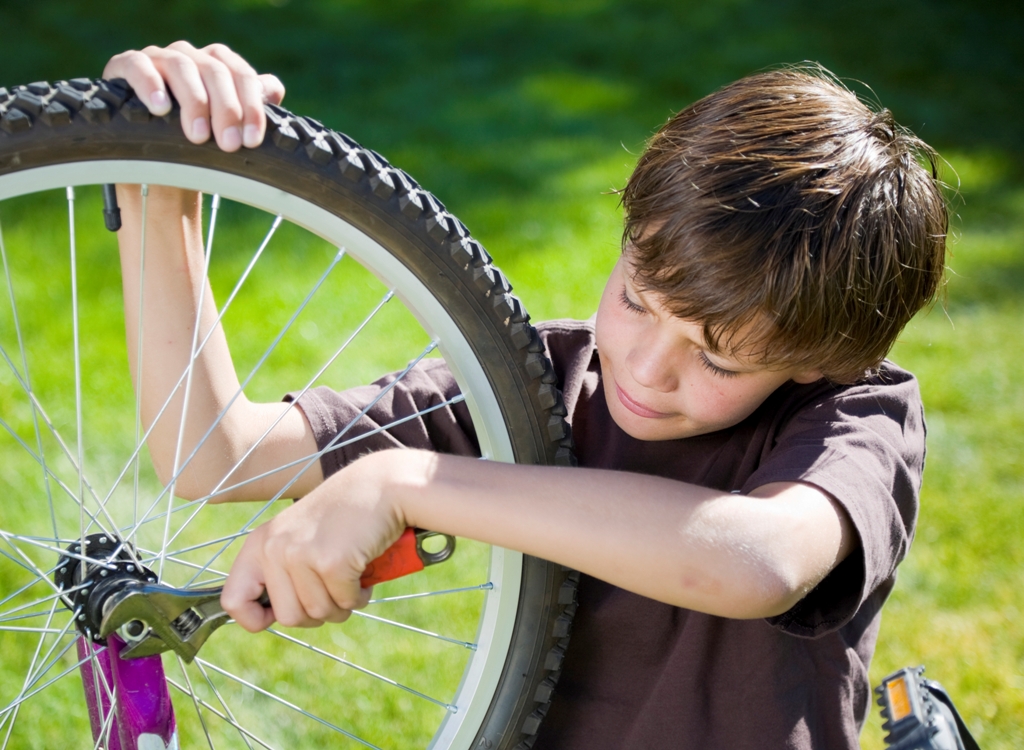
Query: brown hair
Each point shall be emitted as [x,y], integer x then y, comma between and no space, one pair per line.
[791,220]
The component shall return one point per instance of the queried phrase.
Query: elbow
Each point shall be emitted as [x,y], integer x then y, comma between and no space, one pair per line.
[779,590]
[189,483]
[746,590]
[197,472]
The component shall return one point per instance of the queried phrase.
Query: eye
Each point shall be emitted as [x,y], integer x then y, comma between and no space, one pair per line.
[630,304]
[715,369]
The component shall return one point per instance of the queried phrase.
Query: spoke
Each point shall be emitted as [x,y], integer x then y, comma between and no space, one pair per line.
[480,587]
[287,704]
[421,631]
[28,380]
[244,732]
[195,702]
[181,379]
[28,616]
[330,446]
[227,716]
[13,716]
[78,358]
[387,680]
[188,379]
[43,631]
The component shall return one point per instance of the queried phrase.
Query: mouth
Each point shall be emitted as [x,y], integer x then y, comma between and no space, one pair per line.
[636,407]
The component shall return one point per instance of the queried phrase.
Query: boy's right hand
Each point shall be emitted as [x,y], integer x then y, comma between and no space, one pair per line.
[212,85]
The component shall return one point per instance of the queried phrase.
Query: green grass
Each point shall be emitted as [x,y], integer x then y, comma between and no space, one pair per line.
[522,115]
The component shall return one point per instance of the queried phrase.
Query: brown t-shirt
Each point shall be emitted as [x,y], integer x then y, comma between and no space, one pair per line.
[642,674]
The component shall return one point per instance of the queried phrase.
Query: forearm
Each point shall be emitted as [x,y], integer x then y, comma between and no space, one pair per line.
[725,554]
[174,290]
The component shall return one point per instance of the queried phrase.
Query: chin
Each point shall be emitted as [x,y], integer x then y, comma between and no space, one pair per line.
[642,428]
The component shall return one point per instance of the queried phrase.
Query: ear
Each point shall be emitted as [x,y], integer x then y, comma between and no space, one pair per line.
[804,377]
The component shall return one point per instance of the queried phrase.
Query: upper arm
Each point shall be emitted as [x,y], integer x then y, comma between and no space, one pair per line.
[274,453]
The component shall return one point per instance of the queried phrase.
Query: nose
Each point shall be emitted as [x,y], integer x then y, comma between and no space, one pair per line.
[652,362]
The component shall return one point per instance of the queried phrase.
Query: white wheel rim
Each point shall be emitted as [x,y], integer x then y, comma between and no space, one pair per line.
[486,664]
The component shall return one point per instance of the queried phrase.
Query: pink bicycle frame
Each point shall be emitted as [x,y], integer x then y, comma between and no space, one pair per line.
[143,715]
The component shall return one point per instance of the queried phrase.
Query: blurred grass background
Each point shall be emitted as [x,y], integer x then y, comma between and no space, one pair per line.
[522,114]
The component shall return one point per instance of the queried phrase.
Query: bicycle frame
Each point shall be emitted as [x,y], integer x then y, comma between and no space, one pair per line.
[128,700]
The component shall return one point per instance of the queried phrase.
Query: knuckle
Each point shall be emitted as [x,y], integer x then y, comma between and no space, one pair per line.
[218,48]
[339,616]
[289,620]
[181,46]
[320,611]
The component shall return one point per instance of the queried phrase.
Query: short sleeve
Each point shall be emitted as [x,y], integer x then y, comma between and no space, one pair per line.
[421,409]
[864,445]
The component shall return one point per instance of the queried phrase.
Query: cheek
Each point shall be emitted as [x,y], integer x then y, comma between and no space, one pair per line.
[610,327]
[713,400]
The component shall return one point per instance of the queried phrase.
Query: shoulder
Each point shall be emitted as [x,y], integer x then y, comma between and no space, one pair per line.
[569,344]
[572,349]
[567,332]
[890,393]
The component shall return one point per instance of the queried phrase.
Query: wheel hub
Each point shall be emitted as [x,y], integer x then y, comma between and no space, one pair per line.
[91,571]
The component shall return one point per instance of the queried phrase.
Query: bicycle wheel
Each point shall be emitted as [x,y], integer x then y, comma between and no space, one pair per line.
[463,655]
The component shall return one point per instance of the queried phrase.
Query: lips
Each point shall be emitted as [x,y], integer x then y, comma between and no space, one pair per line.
[636,407]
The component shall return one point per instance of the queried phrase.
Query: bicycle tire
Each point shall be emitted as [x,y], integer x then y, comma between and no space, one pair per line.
[80,128]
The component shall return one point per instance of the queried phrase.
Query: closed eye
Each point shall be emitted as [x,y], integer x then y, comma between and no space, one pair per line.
[630,304]
[715,369]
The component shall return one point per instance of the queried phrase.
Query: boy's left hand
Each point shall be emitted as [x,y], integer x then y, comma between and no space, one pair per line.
[309,558]
[218,91]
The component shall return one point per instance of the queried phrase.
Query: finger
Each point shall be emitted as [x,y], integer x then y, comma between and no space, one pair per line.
[224,106]
[181,74]
[284,600]
[314,598]
[249,89]
[348,594]
[138,70]
[243,588]
[273,89]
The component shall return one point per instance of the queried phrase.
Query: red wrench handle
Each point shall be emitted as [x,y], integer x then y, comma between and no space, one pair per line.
[400,559]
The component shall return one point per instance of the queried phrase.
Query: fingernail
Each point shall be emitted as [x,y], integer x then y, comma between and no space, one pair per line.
[159,103]
[252,136]
[231,140]
[200,129]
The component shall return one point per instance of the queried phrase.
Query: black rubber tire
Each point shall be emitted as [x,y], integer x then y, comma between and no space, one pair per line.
[46,124]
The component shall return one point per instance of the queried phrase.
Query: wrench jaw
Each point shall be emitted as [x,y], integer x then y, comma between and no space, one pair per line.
[152,618]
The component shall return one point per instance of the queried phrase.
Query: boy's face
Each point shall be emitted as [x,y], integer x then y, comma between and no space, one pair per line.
[660,380]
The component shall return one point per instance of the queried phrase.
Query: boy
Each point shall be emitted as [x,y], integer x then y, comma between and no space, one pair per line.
[750,463]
